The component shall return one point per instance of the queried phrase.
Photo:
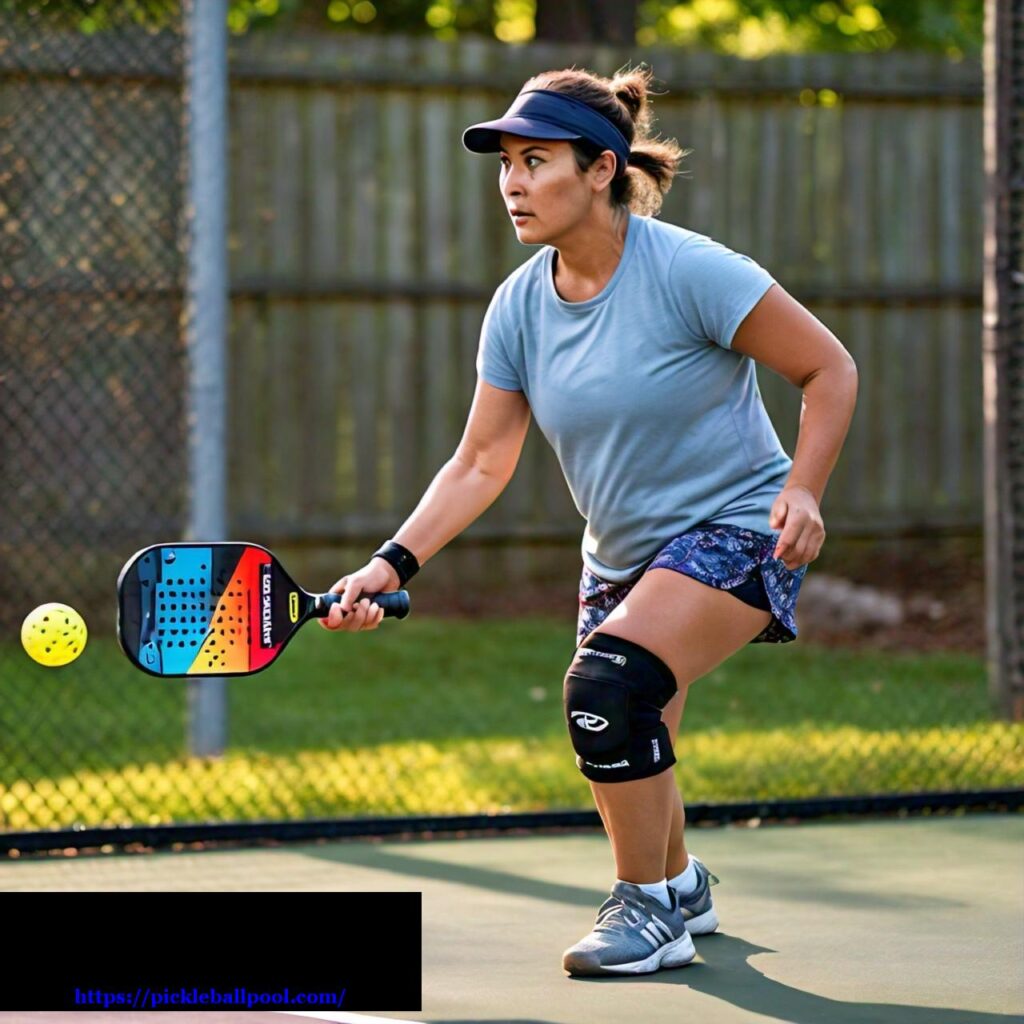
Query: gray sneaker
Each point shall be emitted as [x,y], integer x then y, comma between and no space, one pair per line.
[697,908]
[634,934]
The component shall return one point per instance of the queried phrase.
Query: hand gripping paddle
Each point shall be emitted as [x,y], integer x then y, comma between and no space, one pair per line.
[224,609]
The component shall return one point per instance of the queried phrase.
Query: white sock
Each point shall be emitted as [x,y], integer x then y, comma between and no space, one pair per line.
[659,890]
[686,881]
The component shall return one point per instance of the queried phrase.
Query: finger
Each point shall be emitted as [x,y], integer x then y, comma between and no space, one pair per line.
[797,555]
[331,620]
[789,539]
[358,616]
[339,586]
[787,545]
[350,598]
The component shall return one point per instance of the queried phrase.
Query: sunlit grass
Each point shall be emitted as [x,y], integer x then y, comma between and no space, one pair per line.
[447,717]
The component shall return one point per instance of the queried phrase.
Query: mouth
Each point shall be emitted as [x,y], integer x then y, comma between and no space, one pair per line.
[517,215]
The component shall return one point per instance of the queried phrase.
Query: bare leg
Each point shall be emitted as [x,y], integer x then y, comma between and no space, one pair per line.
[692,628]
[641,808]
[677,857]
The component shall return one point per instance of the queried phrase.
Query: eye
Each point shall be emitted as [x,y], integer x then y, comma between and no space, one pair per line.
[504,160]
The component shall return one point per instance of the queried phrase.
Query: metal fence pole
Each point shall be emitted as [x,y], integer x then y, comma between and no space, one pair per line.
[1003,353]
[206,319]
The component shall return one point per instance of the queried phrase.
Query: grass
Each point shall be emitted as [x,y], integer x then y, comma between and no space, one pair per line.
[441,716]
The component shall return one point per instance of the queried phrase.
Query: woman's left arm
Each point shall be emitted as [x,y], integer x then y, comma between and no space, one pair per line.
[787,338]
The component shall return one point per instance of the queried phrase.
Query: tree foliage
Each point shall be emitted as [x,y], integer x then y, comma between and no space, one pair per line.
[749,28]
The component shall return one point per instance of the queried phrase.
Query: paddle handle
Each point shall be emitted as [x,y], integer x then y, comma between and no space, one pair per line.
[395,603]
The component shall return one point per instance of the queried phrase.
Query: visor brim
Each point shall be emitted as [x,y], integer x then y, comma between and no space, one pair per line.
[486,137]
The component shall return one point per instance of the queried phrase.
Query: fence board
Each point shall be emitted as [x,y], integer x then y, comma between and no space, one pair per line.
[359,222]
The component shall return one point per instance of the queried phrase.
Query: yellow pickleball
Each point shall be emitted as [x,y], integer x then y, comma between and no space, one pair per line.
[53,634]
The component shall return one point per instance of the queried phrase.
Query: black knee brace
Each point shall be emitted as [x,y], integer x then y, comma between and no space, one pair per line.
[614,692]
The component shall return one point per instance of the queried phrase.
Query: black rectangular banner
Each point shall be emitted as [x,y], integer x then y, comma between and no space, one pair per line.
[212,951]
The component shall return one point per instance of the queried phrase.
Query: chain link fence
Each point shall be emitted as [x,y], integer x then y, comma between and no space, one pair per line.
[91,370]
[425,719]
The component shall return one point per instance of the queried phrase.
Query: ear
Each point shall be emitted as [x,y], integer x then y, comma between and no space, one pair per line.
[603,170]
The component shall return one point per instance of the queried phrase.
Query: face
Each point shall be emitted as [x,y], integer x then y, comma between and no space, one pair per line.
[540,178]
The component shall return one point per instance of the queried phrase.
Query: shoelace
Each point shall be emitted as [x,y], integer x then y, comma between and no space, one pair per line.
[609,915]
[614,914]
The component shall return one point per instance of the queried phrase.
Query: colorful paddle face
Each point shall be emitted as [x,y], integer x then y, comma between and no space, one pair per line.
[215,609]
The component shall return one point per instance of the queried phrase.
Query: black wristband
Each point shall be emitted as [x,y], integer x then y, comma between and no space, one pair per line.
[402,560]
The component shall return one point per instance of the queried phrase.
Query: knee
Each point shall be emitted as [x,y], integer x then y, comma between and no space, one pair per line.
[613,695]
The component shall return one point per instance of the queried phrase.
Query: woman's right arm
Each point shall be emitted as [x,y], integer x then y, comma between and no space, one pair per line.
[463,489]
[473,478]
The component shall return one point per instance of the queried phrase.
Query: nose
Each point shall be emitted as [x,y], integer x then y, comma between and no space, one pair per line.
[510,185]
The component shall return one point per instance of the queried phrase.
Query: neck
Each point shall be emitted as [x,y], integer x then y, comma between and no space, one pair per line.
[592,250]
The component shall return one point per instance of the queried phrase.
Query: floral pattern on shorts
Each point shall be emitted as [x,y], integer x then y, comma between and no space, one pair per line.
[721,556]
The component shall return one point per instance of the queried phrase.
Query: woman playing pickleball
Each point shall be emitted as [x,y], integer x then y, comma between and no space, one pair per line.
[633,342]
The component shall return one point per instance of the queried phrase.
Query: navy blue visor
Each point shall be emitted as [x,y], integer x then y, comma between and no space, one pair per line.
[544,114]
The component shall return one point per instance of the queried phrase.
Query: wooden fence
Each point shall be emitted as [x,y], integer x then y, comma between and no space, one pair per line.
[365,243]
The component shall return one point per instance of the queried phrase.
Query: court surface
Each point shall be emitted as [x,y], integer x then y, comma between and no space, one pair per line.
[916,921]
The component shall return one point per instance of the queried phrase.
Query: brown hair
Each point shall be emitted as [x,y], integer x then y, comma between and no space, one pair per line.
[653,163]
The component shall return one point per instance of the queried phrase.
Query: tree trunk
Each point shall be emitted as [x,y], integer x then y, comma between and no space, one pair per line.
[587,21]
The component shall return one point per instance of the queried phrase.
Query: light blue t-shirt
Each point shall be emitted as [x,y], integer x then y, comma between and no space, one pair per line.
[657,424]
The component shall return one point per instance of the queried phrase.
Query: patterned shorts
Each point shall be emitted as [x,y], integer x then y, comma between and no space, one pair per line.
[727,557]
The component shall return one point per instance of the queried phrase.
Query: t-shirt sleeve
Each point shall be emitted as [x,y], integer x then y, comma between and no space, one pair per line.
[716,287]
[493,364]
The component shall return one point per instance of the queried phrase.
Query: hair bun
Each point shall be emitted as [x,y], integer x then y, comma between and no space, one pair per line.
[624,99]
[633,95]
[630,89]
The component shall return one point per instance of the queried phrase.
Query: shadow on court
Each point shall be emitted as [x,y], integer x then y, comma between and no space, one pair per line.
[727,975]
[902,922]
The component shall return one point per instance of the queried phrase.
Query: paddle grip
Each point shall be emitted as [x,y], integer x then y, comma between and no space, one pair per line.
[395,603]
